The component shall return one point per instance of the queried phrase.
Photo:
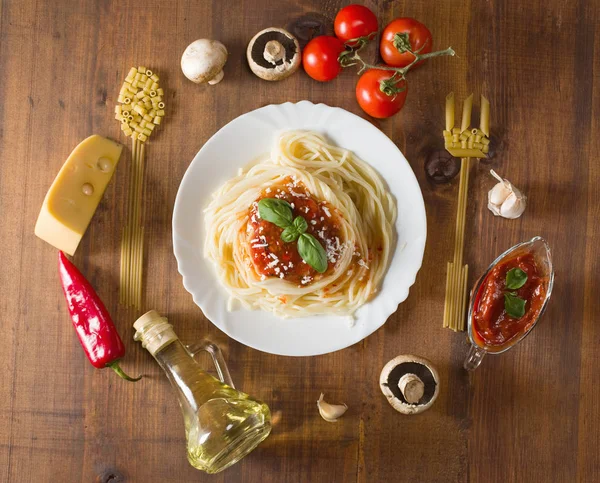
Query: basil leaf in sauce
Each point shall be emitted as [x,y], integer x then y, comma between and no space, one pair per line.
[514,306]
[290,234]
[312,252]
[300,224]
[515,278]
[275,211]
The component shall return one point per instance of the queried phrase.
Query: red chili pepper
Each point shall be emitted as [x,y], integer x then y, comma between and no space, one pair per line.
[95,328]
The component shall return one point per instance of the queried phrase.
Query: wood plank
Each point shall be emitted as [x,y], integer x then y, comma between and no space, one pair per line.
[528,415]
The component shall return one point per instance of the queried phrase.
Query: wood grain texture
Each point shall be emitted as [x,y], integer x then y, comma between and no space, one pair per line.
[528,415]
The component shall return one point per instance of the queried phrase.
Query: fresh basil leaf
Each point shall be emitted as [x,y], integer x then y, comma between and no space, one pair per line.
[515,278]
[275,211]
[312,252]
[514,306]
[300,224]
[290,234]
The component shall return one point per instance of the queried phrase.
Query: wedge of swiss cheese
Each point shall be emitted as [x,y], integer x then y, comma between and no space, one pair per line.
[74,195]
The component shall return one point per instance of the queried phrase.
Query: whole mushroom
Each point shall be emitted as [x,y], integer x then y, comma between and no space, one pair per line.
[410,384]
[203,61]
[273,54]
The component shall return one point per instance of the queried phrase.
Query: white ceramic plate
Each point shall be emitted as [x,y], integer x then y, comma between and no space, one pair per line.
[250,136]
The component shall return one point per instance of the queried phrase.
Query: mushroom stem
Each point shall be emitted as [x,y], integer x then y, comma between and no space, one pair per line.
[412,388]
[274,51]
[216,79]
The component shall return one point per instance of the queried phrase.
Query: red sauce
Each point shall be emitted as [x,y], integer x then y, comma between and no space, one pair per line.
[492,325]
[271,256]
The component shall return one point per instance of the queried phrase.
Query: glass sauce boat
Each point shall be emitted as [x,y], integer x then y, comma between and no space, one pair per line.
[538,247]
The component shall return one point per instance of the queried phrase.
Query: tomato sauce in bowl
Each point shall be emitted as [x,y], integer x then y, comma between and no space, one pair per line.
[493,327]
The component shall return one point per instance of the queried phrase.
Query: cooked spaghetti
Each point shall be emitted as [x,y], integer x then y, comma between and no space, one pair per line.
[343,205]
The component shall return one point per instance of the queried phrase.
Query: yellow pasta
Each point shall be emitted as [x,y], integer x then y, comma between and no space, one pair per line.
[484,118]
[466,116]
[465,153]
[450,111]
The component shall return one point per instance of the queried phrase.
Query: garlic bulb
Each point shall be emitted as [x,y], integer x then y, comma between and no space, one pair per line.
[505,200]
[330,412]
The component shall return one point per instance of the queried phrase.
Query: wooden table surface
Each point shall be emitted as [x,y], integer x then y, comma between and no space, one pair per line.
[530,415]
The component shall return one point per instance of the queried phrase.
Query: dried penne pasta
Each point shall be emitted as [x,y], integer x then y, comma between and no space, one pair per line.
[484,118]
[450,111]
[466,115]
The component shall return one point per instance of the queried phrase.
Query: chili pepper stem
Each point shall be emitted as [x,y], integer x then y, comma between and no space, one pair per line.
[115,367]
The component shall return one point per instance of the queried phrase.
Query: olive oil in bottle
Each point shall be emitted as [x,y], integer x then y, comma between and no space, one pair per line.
[222,424]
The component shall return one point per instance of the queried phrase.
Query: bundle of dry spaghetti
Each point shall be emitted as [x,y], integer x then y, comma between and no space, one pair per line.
[457,274]
[140,110]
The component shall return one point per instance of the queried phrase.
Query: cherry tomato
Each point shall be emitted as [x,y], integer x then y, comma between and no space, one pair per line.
[419,38]
[355,21]
[373,100]
[320,57]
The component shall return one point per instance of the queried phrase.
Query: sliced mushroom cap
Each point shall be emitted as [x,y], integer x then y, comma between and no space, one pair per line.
[410,384]
[273,54]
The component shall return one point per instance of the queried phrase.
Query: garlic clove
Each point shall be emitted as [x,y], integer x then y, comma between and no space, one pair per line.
[504,199]
[330,412]
[513,206]
[495,209]
[499,193]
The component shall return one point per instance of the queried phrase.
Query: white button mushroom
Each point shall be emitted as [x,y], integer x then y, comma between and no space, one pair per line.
[505,200]
[203,60]
[410,384]
[273,54]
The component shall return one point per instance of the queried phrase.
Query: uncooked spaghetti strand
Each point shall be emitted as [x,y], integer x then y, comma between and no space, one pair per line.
[446,300]
[462,315]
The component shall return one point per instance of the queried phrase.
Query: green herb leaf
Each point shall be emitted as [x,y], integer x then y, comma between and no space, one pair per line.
[290,234]
[514,306]
[515,278]
[312,252]
[300,224]
[275,211]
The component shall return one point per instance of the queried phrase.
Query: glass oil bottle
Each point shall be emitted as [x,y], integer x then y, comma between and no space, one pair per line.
[222,424]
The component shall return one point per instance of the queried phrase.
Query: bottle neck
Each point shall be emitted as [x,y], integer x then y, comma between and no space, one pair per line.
[154,332]
[194,385]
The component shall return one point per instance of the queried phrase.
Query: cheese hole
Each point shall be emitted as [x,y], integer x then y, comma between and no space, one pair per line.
[87,189]
[104,164]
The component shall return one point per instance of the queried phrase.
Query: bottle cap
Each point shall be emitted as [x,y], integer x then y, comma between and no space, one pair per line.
[153,331]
